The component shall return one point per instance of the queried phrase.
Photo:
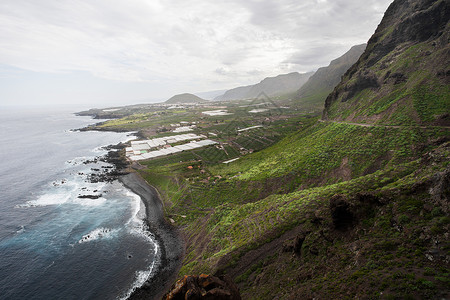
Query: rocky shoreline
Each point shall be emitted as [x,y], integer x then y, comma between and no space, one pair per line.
[170,243]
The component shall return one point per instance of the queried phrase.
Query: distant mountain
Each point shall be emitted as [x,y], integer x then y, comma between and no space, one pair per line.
[271,86]
[314,92]
[241,92]
[185,98]
[403,76]
[210,95]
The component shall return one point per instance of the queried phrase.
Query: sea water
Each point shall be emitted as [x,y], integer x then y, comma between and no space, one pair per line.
[54,244]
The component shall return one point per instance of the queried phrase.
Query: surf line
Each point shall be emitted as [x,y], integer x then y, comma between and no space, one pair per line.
[170,244]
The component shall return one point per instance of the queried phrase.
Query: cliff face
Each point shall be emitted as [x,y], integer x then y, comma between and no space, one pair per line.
[271,86]
[403,75]
[314,92]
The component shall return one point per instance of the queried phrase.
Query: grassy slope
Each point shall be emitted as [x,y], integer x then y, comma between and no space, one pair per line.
[246,218]
[226,211]
[325,147]
[313,101]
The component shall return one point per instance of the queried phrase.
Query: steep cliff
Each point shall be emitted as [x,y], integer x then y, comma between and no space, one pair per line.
[403,76]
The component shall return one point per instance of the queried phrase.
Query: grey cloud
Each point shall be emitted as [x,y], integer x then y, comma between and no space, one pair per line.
[202,41]
[222,71]
[255,72]
[316,56]
[309,18]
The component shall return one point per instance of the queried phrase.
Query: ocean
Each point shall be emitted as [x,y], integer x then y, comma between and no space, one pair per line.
[55,244]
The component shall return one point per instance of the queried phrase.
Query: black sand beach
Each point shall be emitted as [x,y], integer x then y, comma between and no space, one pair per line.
[170,242]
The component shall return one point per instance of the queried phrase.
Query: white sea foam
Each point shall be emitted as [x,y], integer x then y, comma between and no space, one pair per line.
[22,229]
[137,227]
[141,278]
[143,275]
[137,208]
[100,149]
[68,193]
[47,199]
[99,233]
[89,202]
[78,160]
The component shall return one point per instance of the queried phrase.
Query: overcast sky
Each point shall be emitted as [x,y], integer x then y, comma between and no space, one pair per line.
[106,52]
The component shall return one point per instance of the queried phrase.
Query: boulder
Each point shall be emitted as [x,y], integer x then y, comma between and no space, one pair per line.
[204,287]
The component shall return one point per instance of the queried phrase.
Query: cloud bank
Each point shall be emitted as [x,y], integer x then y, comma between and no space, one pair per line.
[196,44]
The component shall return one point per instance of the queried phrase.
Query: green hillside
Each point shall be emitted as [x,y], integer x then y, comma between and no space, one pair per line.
[354,205]
[262,203]
[350,205]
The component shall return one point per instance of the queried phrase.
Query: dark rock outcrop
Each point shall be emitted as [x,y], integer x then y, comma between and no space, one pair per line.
[363,81]
[413,21]
[341,212]
[89,196]
[347,212]
[204,287]
[295,245]
[440,190]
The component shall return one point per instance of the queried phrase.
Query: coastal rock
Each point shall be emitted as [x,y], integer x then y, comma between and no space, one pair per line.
[89,196]
[204,287]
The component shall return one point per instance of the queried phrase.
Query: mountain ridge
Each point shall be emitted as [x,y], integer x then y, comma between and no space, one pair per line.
[314,92]
[271,86]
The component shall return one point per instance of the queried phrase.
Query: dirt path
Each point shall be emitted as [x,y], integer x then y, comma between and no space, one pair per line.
[385,126]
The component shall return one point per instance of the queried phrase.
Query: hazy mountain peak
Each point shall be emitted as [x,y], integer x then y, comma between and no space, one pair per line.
[271,86]
[185,98]
[313,93]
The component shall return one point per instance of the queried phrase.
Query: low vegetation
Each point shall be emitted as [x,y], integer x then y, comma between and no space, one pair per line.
[351,205]
[227,211]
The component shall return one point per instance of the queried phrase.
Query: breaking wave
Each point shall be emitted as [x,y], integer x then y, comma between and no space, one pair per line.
[99,233]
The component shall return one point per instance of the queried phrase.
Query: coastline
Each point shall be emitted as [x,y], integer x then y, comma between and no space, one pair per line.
[171,244]
[169,240]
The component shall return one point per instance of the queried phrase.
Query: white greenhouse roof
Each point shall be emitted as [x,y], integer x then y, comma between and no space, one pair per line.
[139,148]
